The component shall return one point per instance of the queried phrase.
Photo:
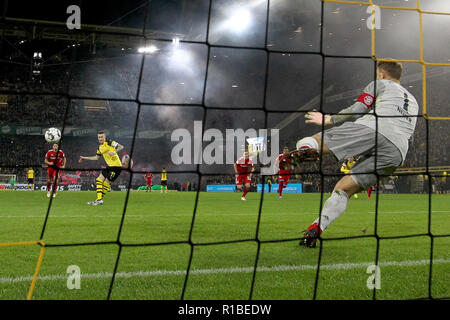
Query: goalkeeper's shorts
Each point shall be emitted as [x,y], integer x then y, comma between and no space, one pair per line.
[355,140]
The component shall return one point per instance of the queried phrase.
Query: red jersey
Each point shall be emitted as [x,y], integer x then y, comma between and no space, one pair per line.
[284,163]
[51,157]
[244,166]
[149,176]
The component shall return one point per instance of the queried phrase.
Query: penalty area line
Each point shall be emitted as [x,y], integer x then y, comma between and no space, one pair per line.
[280,268]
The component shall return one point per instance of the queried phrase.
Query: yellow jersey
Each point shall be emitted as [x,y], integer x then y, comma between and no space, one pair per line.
[346,166]
[164,175]
[104,150]
[30,174]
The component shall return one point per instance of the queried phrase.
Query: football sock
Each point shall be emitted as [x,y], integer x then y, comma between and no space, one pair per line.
[48,186]
[245,192]
[308,142]
[99,187]
[333,208]
[55,187]
[106,187]
[369,192]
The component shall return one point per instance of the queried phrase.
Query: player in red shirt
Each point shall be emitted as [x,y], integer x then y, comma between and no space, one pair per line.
[148,178]
[283,168]
[243,167]
[55,160]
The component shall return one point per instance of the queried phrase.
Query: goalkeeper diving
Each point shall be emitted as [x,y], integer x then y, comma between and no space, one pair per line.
[380,142]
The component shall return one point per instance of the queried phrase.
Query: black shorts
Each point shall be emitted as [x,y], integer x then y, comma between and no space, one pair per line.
[164,182]
[30,180]
[111,173]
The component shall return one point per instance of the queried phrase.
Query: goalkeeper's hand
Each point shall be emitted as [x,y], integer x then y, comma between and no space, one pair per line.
[317,118]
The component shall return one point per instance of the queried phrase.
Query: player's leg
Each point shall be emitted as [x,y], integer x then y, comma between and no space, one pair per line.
[246,181]
[333,208]
[239,184]
[99,188]
[363,177]
[106,186]
[246,190]
[55,182]
[280,187]
[369,191]
[49,180]
[239,189]
[49,186]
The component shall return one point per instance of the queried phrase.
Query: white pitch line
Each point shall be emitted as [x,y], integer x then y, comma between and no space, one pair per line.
[280,268]
[168,215]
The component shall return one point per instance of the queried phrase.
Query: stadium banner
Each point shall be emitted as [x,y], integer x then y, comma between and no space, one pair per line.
[291,188]
[120,187]
[68,187]
[21,187]
[220,188]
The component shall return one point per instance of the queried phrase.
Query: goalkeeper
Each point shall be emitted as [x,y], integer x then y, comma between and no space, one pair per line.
[380,140]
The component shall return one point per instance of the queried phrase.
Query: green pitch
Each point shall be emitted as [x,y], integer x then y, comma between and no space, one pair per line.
[224,270]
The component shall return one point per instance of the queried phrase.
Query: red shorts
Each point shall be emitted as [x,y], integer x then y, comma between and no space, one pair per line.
[284,176]
[52,173]
[243,179]
[149,182]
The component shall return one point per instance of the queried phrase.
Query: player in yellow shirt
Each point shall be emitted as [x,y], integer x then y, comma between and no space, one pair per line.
[164,180]
[346,168]
[108,149]
[30,177]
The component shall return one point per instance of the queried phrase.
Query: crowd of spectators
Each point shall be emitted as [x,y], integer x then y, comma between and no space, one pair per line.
[48,107]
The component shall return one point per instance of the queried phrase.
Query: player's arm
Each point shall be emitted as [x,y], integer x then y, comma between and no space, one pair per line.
[82,158]
[351,113]
[235,168]
[48,163]
[117,146]
[64,163]
[363,105]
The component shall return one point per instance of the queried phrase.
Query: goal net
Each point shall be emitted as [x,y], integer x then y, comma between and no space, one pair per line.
[186,87]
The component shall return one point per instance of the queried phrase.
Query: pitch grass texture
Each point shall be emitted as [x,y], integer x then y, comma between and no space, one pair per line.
[221,271]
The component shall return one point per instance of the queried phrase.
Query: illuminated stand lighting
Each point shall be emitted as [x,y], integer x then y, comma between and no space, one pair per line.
[149,49]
